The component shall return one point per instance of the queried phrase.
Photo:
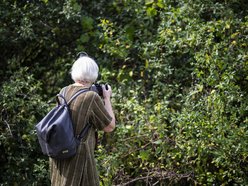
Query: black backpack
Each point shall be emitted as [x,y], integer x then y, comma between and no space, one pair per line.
[55,131]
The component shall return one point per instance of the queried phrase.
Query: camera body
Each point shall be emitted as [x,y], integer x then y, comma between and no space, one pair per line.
[97,87]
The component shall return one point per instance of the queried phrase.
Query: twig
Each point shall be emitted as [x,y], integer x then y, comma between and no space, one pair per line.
[8,127]
[156,174]
[133,137]
[136,150]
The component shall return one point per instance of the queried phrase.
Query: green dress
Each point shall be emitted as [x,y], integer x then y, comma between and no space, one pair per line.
[80,170]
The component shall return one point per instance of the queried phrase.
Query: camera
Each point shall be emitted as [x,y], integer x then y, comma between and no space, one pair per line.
[97,87]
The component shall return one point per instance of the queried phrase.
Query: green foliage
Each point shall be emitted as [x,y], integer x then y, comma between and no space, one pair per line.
[21,106]
[40,35]
[211,137]
[179,72]
[182,97]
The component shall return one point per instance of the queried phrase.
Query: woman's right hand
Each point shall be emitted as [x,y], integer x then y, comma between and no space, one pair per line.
[107,91]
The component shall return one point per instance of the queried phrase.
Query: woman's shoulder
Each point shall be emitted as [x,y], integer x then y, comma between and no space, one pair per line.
[71,89]
[90,97]
[93,94]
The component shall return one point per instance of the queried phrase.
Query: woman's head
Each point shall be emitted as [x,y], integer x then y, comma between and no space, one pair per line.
[84,69]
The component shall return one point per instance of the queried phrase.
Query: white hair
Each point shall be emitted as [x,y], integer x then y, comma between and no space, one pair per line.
[84,69]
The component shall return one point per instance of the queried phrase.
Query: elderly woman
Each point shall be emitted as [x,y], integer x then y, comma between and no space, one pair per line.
[88,107]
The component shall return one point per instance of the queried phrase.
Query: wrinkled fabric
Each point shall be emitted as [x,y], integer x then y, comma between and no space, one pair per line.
[80,170]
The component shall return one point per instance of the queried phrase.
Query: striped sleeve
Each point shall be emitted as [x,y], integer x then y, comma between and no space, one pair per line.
[101,117]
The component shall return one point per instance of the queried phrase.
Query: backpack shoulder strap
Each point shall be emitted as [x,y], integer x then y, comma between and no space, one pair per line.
[84,131]
[62,95]
[88,125]
[77,94]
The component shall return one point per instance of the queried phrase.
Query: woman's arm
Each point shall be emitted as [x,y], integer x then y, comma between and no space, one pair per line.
[107,93]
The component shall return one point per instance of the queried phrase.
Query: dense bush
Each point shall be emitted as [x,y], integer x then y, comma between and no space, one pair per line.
[183,114]
[21,103]
[179,72]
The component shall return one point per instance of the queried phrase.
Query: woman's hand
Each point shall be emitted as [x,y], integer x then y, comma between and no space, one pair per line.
[107,91]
